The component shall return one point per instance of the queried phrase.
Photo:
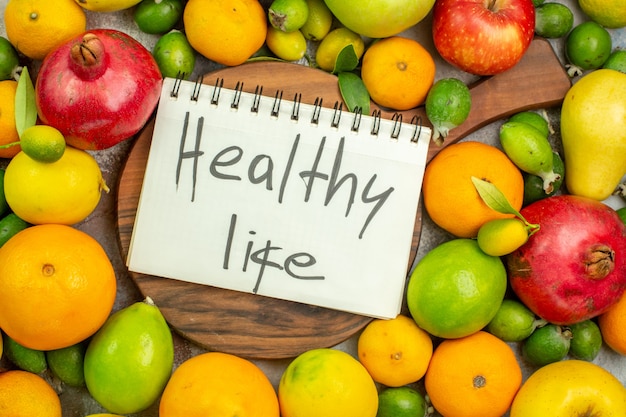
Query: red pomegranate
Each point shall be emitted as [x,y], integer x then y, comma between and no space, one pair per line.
[98,89]
[574,267]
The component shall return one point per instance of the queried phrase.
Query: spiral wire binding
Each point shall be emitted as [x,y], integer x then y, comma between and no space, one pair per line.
[376,115]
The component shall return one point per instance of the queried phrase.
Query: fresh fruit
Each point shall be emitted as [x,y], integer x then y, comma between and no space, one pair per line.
[27,359]
[319,22]
[8,130]
[588,46]
[448,104]
[534,119]
[98,88]
[401,402]
[67,364]
[622,214]
[570,388]
[24,394]
[290,46]
[593,132]
[288,15]
[398,72]
[530,150]
[616,61]
[37,27]
[586,340]
[513,322]
[612,324]
[608,13]
[450,197]
[226,31]
[553,20]
[174,55]
[333,43]
[326,382]
[62,192]
[483,38]
[1,345]
[500,237]
[43,143]
[437,292]
[573,267]
[107,5]
[547,344]
[129,360]
[216,383]
[4,206]
[533,184]
[395,352]
[475,376]
[10,225]
[60,272]
[9,60]
[379,18]
[158,16]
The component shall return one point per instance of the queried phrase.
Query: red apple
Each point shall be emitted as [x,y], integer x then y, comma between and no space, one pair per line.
[483,37]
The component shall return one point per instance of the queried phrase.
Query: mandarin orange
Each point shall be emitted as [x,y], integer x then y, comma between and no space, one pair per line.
[24,394]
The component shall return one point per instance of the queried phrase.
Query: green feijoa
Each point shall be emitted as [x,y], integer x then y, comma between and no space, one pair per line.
[158,16]
[588,46]
[534,119]
[513,322]
[10,225]
[537,2]
[174,55]
[9,60]
[23,357]
[616,61]
[67,364]
[530,150]
[288,15]
[553,20]
[547,344]
[448,104]
[533,184]
[586,340]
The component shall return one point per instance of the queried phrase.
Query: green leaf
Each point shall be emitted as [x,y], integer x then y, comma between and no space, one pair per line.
[347,60]
[353,92]
[493,197]
[25,106]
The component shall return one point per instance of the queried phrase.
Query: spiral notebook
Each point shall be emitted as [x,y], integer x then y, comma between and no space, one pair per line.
[275,197]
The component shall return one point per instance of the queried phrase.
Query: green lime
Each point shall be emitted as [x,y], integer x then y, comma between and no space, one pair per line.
[447,105]
[319,22]
[288,15]
[513,322]
[437,292]
[616,61]
[174,55]
[499,237]
[67,364]
[43,143]
[158,16]
[4,206]
[586,340]
[534,119]
[337,39]
[533,184]
[25,358]
[401,402]
[547,344]
[290,46]
[622,214]
[553,20]
[9,60]
[10,225]
[588,46]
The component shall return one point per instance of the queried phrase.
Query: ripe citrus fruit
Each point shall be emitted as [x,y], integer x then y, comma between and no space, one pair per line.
[612,324]
[225,31]
[24,394]
[608,13]
[62,192]
[8,130]
[218,384]
[395,352]
[24,358]
[36,27]
[290,46]
[586,340]
[398,72]
[333,43]
[456,289]
[67,364]
[547,344]
[158,16]
[475,376]
[57,285]
[450,197]
[43,143]
[10,225]
[107,5]
[319,22]
[499,237]
[327,382]
[401,402]
[570,388]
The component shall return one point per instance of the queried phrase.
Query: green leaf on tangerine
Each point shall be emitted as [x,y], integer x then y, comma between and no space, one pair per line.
[353,92]
[347,60]
[493,197]
[25,105]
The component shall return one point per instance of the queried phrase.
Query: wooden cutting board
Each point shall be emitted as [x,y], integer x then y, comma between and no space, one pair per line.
[259,327]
